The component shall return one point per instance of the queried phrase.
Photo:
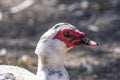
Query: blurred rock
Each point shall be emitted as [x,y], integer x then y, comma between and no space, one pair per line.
[25,59]
[93,28]
[25,4]
[3,52]
[1,15]
[84,4]
[62,7]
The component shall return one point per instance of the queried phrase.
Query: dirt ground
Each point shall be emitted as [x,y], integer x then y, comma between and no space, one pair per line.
[23,22]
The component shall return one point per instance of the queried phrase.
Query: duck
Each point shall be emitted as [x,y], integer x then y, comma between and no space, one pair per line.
[51,51]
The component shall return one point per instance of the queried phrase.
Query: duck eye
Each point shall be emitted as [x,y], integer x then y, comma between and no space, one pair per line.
[66,34]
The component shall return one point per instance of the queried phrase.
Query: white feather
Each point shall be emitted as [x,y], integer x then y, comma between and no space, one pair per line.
[51,56]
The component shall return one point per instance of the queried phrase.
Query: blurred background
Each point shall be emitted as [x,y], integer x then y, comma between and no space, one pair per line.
[22,22]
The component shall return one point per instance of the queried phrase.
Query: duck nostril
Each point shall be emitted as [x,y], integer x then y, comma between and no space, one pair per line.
[82,36]
[85,40]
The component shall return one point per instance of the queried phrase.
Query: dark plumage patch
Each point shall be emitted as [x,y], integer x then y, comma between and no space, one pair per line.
[7,76]
[44,38]
[54,72]
[59,74]
[58,25]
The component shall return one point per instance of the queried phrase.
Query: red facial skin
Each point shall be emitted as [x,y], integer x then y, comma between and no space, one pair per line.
[70,41]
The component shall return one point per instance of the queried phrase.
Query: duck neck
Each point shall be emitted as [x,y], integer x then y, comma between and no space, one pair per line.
[51,57]
[51,70]
[53,61]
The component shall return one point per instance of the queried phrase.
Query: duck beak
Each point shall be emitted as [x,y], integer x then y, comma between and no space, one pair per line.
[86,41]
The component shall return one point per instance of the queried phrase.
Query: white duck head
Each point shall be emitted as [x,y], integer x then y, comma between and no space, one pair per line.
[58,40]
[62,37]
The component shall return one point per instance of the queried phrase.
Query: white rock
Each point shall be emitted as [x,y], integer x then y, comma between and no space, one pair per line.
[3,52]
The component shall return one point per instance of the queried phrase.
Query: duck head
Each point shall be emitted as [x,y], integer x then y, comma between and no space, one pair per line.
[62,37]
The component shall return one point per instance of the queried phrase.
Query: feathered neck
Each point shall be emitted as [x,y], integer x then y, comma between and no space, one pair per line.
[51,59]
